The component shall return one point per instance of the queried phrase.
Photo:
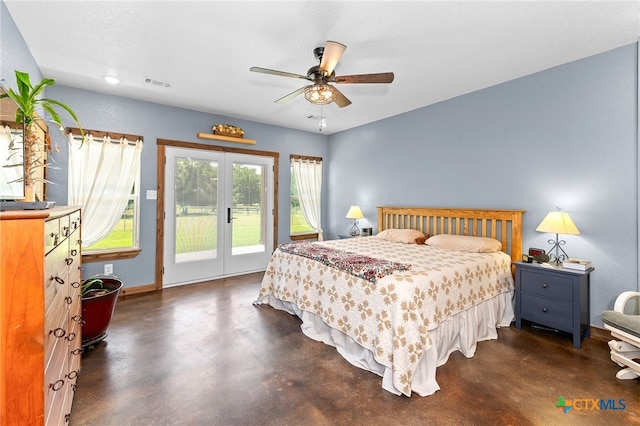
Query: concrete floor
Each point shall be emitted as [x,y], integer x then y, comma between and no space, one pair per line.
[204,355]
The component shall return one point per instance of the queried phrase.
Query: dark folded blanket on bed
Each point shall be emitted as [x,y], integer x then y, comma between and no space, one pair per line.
[361,266]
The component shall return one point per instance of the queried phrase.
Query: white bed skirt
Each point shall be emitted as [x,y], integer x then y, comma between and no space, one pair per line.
[460,332]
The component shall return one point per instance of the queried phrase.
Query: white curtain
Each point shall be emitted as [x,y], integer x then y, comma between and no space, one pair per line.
[101,176]
[308,176]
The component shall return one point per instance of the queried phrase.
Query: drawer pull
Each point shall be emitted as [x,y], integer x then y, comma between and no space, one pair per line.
[58,280]
[74,252]
[58,332]
[71,337]
[65,231]
[545,309]
[77,351]
[55,238]
[68,299]
[72,375]
[545,285]
[75,284]
[68,261]
[57,385]
[76,318]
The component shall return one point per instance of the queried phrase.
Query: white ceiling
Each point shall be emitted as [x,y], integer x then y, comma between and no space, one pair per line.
[437,49]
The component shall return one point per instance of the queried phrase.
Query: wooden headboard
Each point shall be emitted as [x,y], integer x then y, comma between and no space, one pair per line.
[503,225]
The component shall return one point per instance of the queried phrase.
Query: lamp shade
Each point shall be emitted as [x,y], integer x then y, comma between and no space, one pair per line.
[558,222]
[354,213]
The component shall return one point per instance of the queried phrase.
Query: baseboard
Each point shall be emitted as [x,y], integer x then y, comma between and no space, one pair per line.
[141,289]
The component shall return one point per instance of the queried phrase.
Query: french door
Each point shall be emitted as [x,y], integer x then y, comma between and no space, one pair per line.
[218,214]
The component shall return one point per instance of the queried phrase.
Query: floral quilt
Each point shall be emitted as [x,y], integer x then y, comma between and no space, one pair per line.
[391,316]
[365,267]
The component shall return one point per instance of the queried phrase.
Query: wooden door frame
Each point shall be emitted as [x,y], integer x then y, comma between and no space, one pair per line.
[161,147]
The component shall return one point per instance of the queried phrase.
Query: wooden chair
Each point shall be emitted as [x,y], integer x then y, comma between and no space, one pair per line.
[626,327]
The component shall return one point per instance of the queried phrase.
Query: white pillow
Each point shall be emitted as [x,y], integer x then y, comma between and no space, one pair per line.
[407,236]
[465,243]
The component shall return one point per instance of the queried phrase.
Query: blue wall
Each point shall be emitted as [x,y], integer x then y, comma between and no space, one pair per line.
[563,137]
[153,121]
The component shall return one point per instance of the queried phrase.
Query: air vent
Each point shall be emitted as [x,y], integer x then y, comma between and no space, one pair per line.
[158,83]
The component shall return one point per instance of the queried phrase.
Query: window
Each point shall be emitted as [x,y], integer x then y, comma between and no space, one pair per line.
[104,179]
[125,233]
[305,196]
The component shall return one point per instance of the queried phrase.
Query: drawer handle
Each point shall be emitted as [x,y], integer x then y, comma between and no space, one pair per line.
[75,284]
[70,337]
[545,309]
[58,332]
[76,318]
[68,299]
[55,238]
[68,260]
[72,375]
[74,252]
[58,280]
[66,231]
[545,285]
[77,351]
[57,385]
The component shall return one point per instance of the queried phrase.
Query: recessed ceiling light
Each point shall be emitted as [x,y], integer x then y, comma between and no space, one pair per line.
[111,79]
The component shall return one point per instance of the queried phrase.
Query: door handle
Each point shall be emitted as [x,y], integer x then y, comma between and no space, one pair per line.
[229,218]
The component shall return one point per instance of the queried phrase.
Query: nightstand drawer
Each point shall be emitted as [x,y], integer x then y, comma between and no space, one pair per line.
[548,312]
[552,286]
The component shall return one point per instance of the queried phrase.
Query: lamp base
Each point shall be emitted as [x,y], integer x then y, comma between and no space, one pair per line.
[557,257]
[354,231]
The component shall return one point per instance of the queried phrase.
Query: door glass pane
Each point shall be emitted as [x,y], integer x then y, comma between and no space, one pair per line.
[196,190]
[249,216]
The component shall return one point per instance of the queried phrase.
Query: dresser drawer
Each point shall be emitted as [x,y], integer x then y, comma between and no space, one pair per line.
[547,312]
[552,286]
[65,228]
[52,235]
[74,220]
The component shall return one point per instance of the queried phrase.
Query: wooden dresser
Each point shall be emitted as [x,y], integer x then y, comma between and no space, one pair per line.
[40,314]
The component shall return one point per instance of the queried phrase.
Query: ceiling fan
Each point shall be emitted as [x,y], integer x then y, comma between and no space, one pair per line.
[321,92]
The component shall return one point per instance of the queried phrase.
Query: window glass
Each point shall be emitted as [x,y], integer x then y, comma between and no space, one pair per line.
[299,224]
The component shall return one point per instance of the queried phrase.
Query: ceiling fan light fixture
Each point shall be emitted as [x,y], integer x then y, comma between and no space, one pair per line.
[320,94]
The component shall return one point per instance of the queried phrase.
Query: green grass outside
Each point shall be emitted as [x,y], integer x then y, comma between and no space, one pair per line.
[121,236]
[199,232]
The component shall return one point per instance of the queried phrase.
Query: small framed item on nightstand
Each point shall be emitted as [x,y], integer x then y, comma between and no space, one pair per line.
[534,252]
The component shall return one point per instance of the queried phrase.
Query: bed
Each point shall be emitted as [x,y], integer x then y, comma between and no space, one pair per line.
[398,308]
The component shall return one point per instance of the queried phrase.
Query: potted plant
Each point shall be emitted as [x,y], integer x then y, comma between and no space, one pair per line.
[99,296]
[28,100]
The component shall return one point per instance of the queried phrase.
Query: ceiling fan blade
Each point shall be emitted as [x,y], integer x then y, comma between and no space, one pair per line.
[291,95]
[280,73]
[341,100]
[332,53]
[383,77]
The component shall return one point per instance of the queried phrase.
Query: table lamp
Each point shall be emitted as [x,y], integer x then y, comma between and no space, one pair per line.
[354,213]
[558,222]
